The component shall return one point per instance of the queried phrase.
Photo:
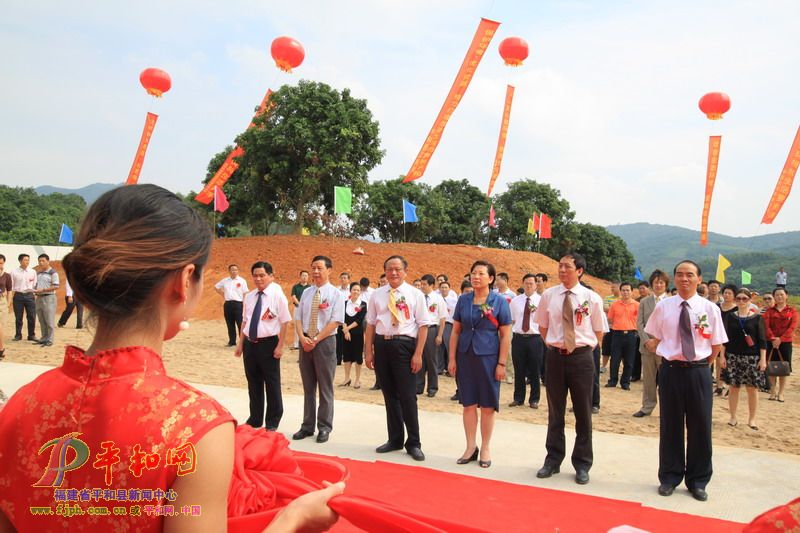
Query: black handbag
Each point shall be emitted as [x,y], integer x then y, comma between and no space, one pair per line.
[777,368]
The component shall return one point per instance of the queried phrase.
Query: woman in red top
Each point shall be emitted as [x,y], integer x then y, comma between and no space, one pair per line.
[109,430]
[780,321]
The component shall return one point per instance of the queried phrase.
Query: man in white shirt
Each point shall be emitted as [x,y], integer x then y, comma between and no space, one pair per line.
[502,287]
[265,319]
[437,308]
[366,290]
[72,304]
[316,321]
[397,327]
[450,299]
[232,289]
[541,285]
[527,348]
[659,281]
[571,322]
[781,278]
[687,331]
[23,283]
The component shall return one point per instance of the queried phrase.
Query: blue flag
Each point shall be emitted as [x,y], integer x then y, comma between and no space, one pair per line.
[638,274]
[66,234]
[409,212]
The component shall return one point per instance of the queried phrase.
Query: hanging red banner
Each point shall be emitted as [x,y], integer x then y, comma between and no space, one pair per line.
[714,143]
[226,170]
[785,181]
[480,42]
[501,141]
[138,160]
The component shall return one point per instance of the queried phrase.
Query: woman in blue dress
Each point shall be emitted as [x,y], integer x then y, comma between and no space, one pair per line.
[479,347]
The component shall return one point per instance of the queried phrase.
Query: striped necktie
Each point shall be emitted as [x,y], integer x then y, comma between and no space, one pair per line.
[313,327]
[393,307]
[569,326]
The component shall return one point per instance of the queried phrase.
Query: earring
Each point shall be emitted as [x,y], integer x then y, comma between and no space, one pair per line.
[183,325]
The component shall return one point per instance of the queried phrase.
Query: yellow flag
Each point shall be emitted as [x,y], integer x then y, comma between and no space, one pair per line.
[722,266]
[306,231]
[530,226]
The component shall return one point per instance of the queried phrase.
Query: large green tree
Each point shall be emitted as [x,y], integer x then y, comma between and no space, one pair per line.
[29,218]
[311,138]
[607,255]
[467,211]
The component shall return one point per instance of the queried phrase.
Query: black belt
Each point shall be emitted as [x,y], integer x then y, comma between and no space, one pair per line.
[624,331]
[686,364]
[397,337]
[526,335]
[44,295]
[564,351]
[260,339]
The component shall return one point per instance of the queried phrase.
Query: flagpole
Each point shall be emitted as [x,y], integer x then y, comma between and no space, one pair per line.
[214,219]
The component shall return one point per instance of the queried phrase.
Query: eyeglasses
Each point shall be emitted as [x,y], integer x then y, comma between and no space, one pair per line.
[742,298]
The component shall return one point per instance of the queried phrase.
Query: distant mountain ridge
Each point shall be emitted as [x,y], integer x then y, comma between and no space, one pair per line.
[662,246]
[89,193]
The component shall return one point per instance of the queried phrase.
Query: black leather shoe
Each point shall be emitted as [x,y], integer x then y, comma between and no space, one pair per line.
[323,435]
[595,410]
[547,471]
[640,414]
[665,489]
[300,435]
[581,477]
[431,394]
[534,405]
[473,457]
[34,339]
[454,397]
[515,403]
[699,494]
[626,387]
[610,385]
[416,454]
[388,447]
[375,387]
[230,344]
[17,338]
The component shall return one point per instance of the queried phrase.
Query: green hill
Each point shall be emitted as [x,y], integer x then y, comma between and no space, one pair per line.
[662,246]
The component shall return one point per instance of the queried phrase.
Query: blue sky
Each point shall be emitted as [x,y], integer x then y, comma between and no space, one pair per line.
[605,108]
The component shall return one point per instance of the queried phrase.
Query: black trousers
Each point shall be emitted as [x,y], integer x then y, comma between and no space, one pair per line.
[24,303]
[339,345]
[526,354]
[636,375]
[263,373]
[685,395]
[398,385]
[574,374]
[623,350]
[75,304]
[430,356]
[596,384]
[233,318]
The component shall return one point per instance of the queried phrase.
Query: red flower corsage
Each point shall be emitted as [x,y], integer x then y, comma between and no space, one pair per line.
[487,312]
[268,315]
[324,305]
[581,311]
[238,285]
[403,306]
[702,326]
[432,308]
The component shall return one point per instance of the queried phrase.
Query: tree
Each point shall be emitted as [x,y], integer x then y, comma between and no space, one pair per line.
[311,139]
[467,210]
[28,218]
[607,255]
[517,204]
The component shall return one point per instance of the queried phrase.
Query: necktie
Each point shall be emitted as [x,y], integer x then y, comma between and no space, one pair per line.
[313,327]
[526,316]
[569,327]
[685,330]
[255,317]
[393,307]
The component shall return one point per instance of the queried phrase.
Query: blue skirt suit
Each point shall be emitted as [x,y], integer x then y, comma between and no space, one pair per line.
[478,350]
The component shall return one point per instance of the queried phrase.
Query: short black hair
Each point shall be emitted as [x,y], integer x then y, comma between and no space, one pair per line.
[730,286]
[233,265]
[625,284]
[442,276]
[503,275]
[696,266]
[465,285]
[527,276]
[429,279]
[776,289]
[345,274]
[714,281]
[3,258]
[303,272]
[659,274]
[400,257]
[22,256]
[444,283]
[542,276]
[261,264]
[355,284]
[643,284]
[45,256]
[364,282]
[325,259]
[578,259]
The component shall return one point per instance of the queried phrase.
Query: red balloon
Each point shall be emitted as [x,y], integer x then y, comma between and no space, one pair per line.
[513,50]
[288,53]
[155,81]
[714,105]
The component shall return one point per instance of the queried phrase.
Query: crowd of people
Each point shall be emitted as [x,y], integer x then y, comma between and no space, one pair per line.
[138,265]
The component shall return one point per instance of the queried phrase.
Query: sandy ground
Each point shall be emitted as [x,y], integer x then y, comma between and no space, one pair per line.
[200,355]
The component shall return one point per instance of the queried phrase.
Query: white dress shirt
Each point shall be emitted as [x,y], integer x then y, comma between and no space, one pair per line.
[451,300]
[23,280]
[508,294]
[517,306]
[274,311]
[549,315]
[378,313]
[435,301]
[331,307]
[69,292]
[664,323]
[366,294]
[233,289]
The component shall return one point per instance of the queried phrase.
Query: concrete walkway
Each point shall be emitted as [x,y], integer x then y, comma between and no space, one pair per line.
[745,483]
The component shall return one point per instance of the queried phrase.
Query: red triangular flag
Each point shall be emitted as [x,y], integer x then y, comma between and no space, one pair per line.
[220,200]
[544,229]
[536,222]
[492,223]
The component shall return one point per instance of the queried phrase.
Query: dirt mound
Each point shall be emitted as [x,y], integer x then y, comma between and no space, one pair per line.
[289,254]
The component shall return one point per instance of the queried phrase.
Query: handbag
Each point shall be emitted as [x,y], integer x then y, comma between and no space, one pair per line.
[777,368]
